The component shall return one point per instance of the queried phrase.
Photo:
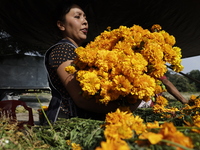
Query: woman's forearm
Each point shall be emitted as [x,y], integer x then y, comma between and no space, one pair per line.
[174,91]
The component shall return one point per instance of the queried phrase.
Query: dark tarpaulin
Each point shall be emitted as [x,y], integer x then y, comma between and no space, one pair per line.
[30,21]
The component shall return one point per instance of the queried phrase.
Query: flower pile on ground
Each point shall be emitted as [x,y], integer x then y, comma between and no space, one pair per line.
[125,63]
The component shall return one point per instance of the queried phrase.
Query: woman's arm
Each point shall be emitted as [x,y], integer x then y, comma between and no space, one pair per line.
[173,90]
[74,89]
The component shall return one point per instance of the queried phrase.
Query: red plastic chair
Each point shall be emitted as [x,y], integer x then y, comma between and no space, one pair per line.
[8,108]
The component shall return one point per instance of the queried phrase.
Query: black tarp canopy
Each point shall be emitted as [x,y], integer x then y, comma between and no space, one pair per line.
[30,21]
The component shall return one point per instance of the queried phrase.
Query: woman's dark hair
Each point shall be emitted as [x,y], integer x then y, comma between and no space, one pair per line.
[63,8]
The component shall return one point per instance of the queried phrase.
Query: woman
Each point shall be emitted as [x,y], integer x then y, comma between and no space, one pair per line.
[66,101]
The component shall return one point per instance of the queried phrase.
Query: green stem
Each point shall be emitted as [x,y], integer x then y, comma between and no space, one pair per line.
[179,127]
[176,144]
[44,112]
[187,127]
[161,122]
[92,135]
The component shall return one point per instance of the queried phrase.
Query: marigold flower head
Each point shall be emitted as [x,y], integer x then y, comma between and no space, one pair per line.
[144,85]
[118,116]
[89,81]
[125,118]
[151,125]
[158,108]
[122,85]
[169,39]
[195,122]
[169,132]
[153,138]
[156,28]
[158,89]
[158,69]
[193,97]
[74,146]
[118,131]
[70,69]
[44,108]
[87,56]
[113,145]
[161,100]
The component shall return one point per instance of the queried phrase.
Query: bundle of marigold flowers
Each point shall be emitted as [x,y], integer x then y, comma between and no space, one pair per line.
[121,126]
[125,63]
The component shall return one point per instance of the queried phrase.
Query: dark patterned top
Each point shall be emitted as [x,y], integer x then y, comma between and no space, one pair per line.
[59,54]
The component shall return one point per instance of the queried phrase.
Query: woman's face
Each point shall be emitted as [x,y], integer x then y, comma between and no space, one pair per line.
[75,26]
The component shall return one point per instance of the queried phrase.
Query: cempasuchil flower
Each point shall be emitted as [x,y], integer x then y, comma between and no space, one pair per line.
[144,85]
[89,81]
[70,69]
[113,145]
[126,119]
[118,131]
[169,132]
[161,100]
[152,137]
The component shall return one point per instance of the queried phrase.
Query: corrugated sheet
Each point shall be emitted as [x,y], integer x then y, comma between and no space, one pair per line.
[23,72]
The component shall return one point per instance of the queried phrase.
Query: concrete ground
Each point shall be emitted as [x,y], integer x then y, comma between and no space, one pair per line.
[32,101]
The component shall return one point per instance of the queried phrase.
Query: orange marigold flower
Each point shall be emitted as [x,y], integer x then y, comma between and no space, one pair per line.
[122,85]
[195,123]
[193,97]
[144,85]
[161,101]
[152,137]
[169,39]
[70,69]
[127,119]
[138,125]
[118,131]
[113,145]
[118,116]
[89,81]
[86,55]
[156,28]
[76,146]
[170,133]
[151,125]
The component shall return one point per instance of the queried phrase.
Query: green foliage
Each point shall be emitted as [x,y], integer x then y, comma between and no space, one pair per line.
[161,147]
[148,115]
[13,139]
[196,75]
[195,138]
[182,83]
[88,133]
